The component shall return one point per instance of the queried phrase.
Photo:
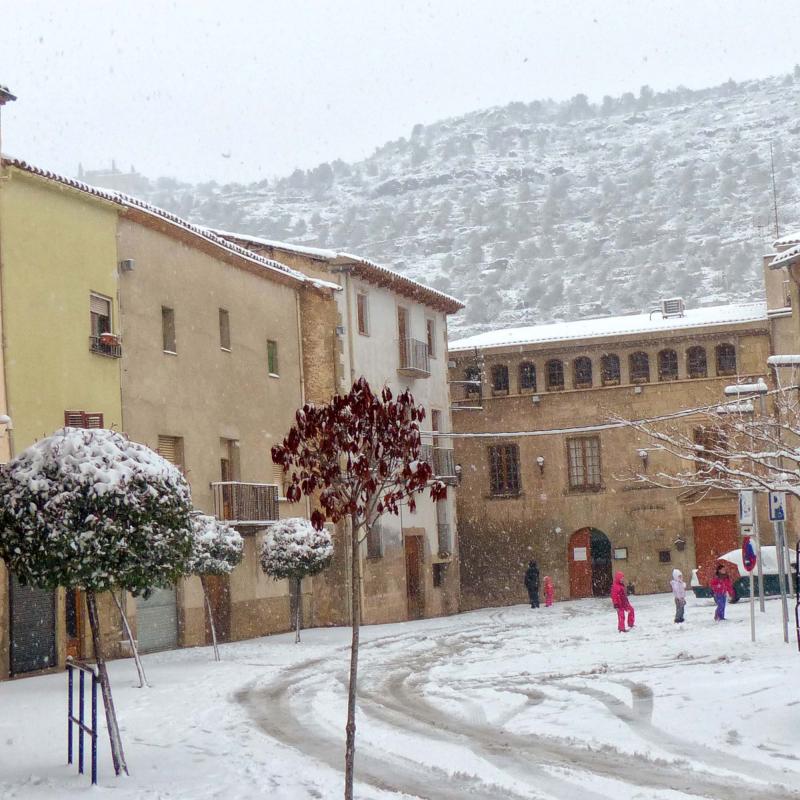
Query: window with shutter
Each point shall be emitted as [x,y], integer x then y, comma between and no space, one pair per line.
[99,314]
[272,358]
[363,314]
[171,448]
[168,329]
[83,419]
[430,329]
[224,329]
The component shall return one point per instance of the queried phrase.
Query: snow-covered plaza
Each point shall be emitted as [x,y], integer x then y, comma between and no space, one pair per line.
[499,703]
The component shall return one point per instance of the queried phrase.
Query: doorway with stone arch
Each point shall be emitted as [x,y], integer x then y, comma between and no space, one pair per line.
[590,563]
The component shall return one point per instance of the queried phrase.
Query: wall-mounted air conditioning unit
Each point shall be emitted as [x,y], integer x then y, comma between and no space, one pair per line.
[127,265]
[673,307]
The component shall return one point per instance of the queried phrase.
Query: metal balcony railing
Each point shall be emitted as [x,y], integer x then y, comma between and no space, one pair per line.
[445,540]
[414,358]
[444,462]
[105,346]
[466,394]
[245,503]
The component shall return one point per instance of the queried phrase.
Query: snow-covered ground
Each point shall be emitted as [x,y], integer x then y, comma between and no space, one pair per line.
[500,703]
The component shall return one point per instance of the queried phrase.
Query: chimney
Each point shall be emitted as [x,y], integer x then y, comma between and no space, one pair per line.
[5,97]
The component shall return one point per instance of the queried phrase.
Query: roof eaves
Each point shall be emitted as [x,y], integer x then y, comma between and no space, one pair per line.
[127,201]
[787,258]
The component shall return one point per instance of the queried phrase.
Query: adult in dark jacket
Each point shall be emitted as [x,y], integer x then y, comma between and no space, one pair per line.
[532,583]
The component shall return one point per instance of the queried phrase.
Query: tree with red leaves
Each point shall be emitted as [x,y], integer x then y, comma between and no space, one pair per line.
[359,457]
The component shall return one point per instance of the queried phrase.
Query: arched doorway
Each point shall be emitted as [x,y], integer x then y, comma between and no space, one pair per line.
[590,562]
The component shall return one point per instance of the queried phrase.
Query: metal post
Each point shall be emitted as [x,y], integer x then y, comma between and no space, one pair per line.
[69,715]
[80,722]
[759,565]
[780,550]
[752,609]
[94,729]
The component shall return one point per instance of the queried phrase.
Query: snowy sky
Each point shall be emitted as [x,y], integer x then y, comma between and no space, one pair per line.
[245,89]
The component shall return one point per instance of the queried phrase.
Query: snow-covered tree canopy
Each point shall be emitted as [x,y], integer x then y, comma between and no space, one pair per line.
[217,547]
[294,548]
[91,509]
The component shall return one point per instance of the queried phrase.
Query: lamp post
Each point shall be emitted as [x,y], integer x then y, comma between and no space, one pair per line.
[760,389]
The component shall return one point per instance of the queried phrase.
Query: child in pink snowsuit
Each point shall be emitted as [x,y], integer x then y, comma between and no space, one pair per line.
[548,591]
[619,598]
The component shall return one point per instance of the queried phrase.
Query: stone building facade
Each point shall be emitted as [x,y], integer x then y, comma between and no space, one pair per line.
[547,475]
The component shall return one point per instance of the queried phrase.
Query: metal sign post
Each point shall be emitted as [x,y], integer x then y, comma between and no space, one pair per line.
[759,564]
[777,513]
[746,519]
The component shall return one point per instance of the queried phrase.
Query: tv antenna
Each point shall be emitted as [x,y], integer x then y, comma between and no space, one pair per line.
[774,191]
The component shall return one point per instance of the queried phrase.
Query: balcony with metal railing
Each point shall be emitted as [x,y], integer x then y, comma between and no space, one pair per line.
[442,461]
[415,360]
[245,503]
[466,395]
[107,344]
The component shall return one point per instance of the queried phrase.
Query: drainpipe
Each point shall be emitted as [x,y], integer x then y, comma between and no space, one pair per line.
[5,97]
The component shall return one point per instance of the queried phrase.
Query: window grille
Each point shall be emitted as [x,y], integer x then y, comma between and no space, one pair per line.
[504,469]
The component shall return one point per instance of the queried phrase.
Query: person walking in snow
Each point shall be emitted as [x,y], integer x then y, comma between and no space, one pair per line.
[619,599]
[721,586]
[679,593]
[549,591]
[532,583]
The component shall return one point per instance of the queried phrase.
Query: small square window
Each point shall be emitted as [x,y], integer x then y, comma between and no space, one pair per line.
[664,556]
[224,330]
[272,357]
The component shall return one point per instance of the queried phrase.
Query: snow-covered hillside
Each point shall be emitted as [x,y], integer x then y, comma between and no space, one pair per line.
[543,211]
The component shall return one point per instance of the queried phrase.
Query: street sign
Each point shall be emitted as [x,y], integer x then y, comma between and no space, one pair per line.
[777,506]
[746,513]
[748,554]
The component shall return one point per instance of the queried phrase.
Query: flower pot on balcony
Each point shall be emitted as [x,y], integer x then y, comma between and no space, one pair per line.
[109,339]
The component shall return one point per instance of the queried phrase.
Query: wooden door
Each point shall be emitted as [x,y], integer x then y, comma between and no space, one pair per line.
[579,558]
[219,597]
[74,622]
[714,536]
[601,564]
[414,586]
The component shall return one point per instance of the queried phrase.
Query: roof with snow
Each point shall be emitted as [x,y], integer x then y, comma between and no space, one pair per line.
[786,258]
[787,241]
[360,266]
[5,95]
[173,222]
[604,327]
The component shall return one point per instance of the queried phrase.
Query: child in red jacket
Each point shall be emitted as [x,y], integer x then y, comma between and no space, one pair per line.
[721,586]
[549,591]
[619,597]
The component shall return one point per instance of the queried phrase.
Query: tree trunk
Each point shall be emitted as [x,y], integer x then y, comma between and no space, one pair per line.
[117,754]
[210,618]
[355,593]
[297,608]
[138,661]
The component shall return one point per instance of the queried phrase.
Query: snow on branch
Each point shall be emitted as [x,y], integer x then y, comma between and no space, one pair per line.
[728,447]
[218,547]
[293,548]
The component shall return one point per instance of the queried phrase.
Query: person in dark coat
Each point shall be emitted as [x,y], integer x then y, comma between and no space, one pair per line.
[532,583]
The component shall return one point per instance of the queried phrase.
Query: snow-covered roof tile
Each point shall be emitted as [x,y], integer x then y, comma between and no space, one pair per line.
[786,258]
[316,252]
[127,201]
[615,326]
[787,240]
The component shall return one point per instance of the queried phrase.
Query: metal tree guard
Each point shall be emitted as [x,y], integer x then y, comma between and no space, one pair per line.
[83,669]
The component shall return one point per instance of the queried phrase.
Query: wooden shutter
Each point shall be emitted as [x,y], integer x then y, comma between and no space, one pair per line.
[170,447]
[83,419]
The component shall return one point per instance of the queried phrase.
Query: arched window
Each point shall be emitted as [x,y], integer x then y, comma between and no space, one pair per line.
[582,373]
[554,370]
[726,359]
[527,376]
[500,379]
[473,375]
[639,365]
[609,370]
[696,363]
[668,365]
